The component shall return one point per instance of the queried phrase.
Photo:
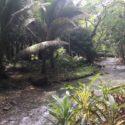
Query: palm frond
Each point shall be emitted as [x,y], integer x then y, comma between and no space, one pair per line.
[59,26]
[70,12]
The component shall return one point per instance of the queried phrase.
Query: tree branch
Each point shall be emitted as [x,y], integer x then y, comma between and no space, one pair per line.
[100,18]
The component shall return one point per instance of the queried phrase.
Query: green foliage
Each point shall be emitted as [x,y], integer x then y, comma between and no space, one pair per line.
[79,72]
[80,42]
[110,33]
[88,105]
[61,108]
[34,57]
[64,60]
[62,24]
[12,19]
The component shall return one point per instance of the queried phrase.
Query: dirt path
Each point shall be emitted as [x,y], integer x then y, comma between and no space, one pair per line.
[113,74]
[28,106]
[24,107]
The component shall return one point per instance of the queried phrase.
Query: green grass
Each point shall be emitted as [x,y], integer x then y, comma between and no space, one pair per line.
[80,72]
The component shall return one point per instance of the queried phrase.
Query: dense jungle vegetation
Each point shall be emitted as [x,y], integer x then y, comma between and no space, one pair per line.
[46,42]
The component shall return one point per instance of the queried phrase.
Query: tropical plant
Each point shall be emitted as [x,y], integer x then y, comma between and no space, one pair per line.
[53,23]
[93,105]
[81,43]
[61,109]
[13,14]
[8,9]
[14,32]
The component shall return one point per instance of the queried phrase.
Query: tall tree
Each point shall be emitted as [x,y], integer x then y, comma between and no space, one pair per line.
[12,16]
[111,33]
[54,23]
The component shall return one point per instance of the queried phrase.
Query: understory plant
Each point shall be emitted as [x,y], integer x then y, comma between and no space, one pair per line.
[90,105]
[66,61]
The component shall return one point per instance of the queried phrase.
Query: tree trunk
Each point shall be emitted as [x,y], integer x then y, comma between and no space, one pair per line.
[2,69]
[52,60]
[43,70]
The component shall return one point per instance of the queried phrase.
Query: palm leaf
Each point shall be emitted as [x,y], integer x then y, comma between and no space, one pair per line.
[59,26]
[70,12]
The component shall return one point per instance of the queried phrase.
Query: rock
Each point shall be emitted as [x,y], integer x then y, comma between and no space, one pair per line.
[6,108]
[13,102]
[26,121]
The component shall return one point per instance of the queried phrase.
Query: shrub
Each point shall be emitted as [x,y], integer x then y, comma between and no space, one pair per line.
[85,105]
[66,61]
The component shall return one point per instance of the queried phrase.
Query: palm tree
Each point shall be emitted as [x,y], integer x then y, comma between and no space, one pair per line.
[57,23]
[54,23]
[12,17]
